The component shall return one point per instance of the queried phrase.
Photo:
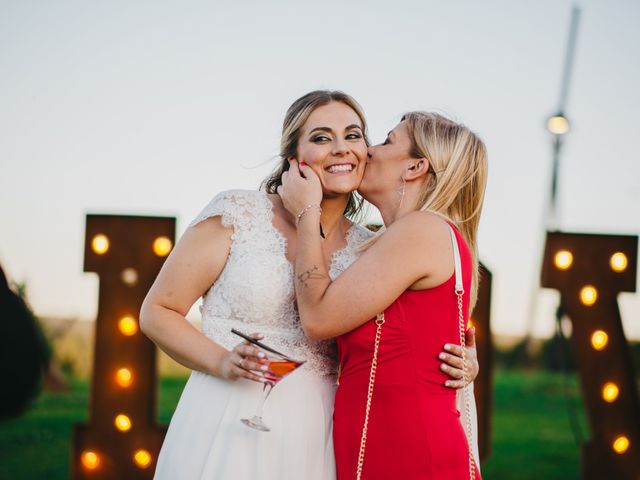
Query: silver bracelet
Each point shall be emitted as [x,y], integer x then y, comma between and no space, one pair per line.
[305,210]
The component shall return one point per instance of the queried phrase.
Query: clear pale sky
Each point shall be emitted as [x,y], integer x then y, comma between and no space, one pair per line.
[152,107]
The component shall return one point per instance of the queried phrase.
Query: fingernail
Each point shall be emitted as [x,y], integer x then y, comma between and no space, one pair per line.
[443,366]
[447,383]
[263,368]
[302,164]
[447,347]
[442,356]
[263,380]
[261,355]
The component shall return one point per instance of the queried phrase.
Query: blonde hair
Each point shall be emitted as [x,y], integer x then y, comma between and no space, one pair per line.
[295,118]
[457,176]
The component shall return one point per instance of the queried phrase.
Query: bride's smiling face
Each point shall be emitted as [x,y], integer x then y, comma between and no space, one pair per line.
[332,143]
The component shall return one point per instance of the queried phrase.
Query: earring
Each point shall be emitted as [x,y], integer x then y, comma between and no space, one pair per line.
[404,185]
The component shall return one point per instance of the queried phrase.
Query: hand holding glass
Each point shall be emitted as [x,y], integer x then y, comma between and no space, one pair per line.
[278,367]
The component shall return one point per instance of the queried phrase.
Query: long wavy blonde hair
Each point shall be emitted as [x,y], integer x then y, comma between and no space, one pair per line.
[457,176]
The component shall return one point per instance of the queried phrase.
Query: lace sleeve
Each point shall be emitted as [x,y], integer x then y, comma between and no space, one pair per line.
[234,206]
[342,259]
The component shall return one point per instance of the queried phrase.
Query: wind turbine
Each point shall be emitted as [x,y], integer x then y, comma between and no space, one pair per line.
[558,125]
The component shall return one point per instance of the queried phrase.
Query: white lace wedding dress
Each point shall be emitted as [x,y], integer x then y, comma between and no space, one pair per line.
[255,293]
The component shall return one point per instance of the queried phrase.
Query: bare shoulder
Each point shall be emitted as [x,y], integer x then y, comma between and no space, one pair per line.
[207,239]
[425,227]
[193,265]
[425,238]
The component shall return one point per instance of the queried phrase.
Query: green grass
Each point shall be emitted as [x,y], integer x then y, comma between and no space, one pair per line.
[532,437]
[37,445]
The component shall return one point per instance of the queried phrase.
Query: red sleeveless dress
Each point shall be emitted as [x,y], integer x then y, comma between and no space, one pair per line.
[414,428]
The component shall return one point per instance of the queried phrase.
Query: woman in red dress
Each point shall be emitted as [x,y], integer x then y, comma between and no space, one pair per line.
[394,418]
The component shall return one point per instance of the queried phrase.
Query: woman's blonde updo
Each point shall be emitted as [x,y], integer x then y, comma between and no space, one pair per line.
[297,114]
[457,176]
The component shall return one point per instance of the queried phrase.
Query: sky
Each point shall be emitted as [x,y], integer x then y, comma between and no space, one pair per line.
[152,107]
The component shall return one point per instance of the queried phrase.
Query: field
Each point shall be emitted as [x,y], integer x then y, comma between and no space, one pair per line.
[532,435]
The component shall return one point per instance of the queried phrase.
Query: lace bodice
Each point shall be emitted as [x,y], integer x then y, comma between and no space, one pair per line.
[255,290]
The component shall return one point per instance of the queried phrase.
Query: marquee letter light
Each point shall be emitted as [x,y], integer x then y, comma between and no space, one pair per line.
[590,271]
[121,439]
[481,319]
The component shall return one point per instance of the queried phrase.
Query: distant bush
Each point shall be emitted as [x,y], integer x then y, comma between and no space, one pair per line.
[24,355]
[554,355]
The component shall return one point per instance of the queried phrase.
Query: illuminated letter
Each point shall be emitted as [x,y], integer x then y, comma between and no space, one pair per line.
[588,292]
[121,438]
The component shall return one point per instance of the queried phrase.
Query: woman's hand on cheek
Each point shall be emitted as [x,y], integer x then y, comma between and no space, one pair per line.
[300,187]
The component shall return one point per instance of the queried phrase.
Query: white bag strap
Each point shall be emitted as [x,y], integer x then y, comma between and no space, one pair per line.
[457,263]
[459,291]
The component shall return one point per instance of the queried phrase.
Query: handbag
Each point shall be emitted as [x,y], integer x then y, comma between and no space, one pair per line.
[459,291]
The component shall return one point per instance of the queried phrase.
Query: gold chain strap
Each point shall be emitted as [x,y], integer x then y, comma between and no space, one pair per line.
[467,400]
[372,376]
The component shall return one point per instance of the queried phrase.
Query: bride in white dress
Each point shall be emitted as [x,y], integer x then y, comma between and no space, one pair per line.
[237,254]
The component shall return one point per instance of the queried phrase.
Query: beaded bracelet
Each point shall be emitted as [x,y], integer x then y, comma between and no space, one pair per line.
[305,210]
